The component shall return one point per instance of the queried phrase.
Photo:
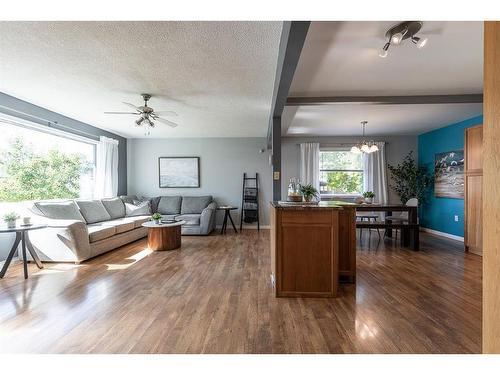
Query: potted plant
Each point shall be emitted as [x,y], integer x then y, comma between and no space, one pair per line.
[156,217]
[410,180]
[10,219]
[309,192]
[369,195]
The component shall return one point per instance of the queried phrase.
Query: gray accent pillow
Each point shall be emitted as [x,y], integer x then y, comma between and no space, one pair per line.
[114,206]
[153,200]
[169,205]
[128,198]
[194,205]
[138,208]
[66,210]
[93,211]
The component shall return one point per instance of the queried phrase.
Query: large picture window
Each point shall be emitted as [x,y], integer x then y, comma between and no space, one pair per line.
[38,164]
[341,172]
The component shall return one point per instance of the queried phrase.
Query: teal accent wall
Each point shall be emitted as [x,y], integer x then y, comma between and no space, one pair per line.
[438,213]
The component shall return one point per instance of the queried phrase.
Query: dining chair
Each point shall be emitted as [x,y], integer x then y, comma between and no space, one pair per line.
[402,216]
[369,216]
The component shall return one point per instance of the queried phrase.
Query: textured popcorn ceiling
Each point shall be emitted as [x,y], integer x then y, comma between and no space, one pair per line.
[218,76]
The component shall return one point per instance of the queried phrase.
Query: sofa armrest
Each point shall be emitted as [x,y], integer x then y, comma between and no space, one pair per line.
[62,240]
[207,219]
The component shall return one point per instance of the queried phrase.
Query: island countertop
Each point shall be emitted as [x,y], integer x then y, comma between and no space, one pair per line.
[336,205]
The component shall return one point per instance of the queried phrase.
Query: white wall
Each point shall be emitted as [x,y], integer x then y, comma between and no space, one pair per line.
[396,148]
[222,163]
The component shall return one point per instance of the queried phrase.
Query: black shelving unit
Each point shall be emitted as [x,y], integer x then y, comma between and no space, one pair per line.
[250,200]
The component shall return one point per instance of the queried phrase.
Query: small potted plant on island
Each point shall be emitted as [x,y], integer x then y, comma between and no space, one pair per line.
[10,219]
[309,192]
[156,218]
[369,195]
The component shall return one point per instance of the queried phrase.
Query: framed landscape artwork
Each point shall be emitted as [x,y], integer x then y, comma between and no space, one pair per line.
[449,174]
[179,172]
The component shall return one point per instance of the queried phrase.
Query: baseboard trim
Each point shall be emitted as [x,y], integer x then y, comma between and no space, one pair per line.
[229,227]
[442,234]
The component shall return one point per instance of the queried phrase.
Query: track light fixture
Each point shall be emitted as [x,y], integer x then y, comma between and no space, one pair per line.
[402,31]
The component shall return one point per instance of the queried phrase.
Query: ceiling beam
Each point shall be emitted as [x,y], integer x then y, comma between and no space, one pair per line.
[385,100]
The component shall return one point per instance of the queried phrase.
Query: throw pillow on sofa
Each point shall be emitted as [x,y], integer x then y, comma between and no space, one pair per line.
[67,210]
[169,205]
[93,211]
[194,205]
[138,208]
[114,206]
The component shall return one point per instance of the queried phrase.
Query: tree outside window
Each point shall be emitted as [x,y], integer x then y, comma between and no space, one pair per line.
[341,172]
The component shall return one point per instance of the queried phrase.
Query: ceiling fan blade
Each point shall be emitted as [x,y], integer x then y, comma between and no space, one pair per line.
[133,106]
[166,122]
[121,113]
[166,113]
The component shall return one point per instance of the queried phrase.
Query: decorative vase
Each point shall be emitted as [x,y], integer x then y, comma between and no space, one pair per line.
[11,224]
[369,200]
[158,221]
[26,220]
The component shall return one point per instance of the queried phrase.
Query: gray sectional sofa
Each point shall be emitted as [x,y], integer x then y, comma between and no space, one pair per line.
[82,229]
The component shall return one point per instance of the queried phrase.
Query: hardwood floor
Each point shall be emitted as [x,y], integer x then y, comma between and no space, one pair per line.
[214,296]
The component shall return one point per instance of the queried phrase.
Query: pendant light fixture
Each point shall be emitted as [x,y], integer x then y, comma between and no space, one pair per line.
[400,32]
[363,146]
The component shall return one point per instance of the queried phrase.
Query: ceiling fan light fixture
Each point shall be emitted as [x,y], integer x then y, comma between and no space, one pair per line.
[420,42]
[397,38]
[139,121]
[397,34]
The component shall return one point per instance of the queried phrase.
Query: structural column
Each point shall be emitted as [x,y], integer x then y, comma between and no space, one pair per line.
[276,148]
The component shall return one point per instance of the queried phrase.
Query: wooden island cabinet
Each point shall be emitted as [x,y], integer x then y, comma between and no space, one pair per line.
[312,247]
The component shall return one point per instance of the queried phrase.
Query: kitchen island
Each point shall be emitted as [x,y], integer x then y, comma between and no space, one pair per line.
[313,247]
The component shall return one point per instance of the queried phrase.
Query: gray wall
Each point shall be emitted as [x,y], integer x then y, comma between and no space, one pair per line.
[19,108]
[222,163]
[396,148]
[27,111]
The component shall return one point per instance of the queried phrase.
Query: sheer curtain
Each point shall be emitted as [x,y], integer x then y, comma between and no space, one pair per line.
[375,174]
[106,179]
[309,164]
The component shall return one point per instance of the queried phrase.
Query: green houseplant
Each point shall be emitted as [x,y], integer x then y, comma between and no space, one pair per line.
[369,195]
[10,219]
[409,180]
[156,217]
[308,192]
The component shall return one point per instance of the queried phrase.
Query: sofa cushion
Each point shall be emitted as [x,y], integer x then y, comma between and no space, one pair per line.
[139,220]
[99,232]
[115,207]
[138,208]
[66,210]
[93,211]
[190,219]
[194,205]
[120,225]
[169,205]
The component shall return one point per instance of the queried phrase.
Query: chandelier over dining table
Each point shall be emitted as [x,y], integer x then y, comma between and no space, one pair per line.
[364,146]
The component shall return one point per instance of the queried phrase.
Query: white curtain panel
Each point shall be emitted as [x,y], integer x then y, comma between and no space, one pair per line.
[309,164]
[375,174]
[106,179]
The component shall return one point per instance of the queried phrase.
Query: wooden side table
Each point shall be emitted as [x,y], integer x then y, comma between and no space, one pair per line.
[163,237]
[227,214]
[22,237]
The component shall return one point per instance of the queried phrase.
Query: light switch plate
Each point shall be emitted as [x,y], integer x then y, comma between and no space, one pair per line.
[456,218]
[276,175]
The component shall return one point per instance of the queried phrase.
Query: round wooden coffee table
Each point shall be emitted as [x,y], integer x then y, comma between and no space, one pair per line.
[164,236]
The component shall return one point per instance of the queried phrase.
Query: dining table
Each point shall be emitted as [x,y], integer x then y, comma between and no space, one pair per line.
[410,228]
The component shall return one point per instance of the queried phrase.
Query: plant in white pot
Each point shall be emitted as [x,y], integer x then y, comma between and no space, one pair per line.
[309,192]
[369,195]
[156,217]
[10,219]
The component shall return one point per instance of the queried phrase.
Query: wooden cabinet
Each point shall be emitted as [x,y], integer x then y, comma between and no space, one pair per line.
[473,205]
[311,248]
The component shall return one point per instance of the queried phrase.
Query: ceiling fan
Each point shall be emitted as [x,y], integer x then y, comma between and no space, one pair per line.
[147,114]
